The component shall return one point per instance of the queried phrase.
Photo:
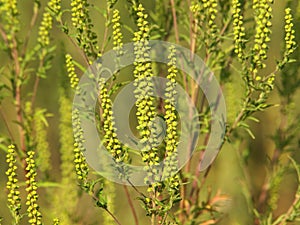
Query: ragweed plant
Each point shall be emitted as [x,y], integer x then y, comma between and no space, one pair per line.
[145,104]
[238,40]
[117,34]
[79,159]
[71,71]
[143,93]
[85,36]
[29,58]
[113,145]
[171,118]
[33,210]
[290,43]
[263,16]
[238,29]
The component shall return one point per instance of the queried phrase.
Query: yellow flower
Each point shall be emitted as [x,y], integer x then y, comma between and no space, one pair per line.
[117,34]
[263,16]
[13,196]
[171,153]
[86,38]
[290,43]
[46,25]
[81,167]
[71,71]
[32,197]
[143,94]
[113,145]
[238,29]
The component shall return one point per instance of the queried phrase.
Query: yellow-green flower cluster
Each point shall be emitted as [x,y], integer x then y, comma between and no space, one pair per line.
[45,27]
[117,34]
[9,13]
[170,117]
[86,38]
[71,71]
[290,43]
[263,16]
[113,145]
[238,29]
[13,196]
[10,7]
[79,159]
[42,145]
[47,20]
[55,6]
[210,8]
[143,94]
[171,153]
[32,197]
[56,222]
[78,13]
[195,8]
[151,158]
[143,73]
[142,35]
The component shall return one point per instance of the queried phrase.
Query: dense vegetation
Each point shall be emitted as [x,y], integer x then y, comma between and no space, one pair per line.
[251,48]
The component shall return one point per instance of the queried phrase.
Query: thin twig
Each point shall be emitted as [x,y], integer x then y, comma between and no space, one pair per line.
[92,194]
[290,210]
[105,30]
[113,216]
[132,185]
[177,39]
[32,23]
[175,21]
[84,56]
[3,35]
[131,205]
[17,70]
[17,94]
[36,82]
[35,89]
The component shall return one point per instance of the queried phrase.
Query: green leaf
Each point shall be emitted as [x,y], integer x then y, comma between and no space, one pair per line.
[253,119]
[128,28]
[79,66]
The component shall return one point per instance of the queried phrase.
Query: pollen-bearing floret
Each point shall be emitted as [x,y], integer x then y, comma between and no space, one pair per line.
[262,15]
[71,71]
[86,38]
[290,42]
[12,186]
[46,25]
[238,29]
[34,214]
[171,153]
[114,146]
[170,117]
[117,34]
[144,96]
[81,167]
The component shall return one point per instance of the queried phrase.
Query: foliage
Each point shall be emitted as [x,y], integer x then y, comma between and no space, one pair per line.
[235,40]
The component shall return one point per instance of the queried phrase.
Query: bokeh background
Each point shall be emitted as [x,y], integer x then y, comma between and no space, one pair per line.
[227,172]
